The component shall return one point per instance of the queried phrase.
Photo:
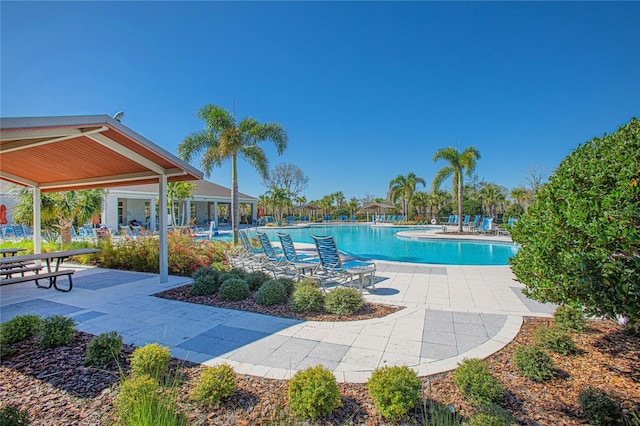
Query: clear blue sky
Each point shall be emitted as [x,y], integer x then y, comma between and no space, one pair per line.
[366,90]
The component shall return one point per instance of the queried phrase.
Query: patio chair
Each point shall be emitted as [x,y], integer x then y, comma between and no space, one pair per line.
[475,224]
[332,268]
[297,262]
[248,255]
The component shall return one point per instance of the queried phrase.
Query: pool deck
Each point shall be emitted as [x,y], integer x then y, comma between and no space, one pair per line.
[450,313]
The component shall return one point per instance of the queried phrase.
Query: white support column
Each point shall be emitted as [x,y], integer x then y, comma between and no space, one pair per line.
[215,213]
[152,215]
[254,212]
[37,228]
[187,212]
[162,219]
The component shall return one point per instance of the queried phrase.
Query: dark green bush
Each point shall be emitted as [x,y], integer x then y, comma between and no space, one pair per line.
[600,408]
[533,363]
[19,328]
[103,348]
[569,318]
[476,382]
[555,339]
[313,392]
[271,293]
[579,238]
[233,274]
[12,415]
[256,279]
[307,299]
[233,290]
[151,360]
[214,384]
[289,285]
[56,330]
[206,281]
[343,301]
[394,390]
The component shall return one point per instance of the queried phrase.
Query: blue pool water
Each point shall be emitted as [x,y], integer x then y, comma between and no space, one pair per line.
[382,243]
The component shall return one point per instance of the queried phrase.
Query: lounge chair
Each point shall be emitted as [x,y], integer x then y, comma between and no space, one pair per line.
[246,255]
[274,261]
[297,262]
[332,268]
[475,224]
[487,225]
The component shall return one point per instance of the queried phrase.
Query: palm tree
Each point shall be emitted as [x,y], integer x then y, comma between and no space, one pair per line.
[279,198]
[459,164]
[59,210]
[421,202]
[179,192]
[403,187]
[224,138]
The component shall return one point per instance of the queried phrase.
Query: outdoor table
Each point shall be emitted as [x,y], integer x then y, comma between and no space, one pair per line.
[10,251]
[53,261]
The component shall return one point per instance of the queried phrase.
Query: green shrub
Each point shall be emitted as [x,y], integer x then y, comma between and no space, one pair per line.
[234,273]
[555,339]
[306,282]
[600,408]
[492,415]
[569,318]
[533,363]
[12,415]
[234,289]
[289,285]
[151,360]
[313,392]
[206,281]
[103,348]
[56,330]
[214,384]
[436,414]
[579,238]
[307,298]
[140,401]
[515,211]
[256,279]
[142,254]
[271,293]
[394,390]
[343,301]
[476,382]
[19,328]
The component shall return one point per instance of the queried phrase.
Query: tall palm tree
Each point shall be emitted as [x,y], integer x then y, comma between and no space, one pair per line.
[403,187]
[459,164]
[224,138]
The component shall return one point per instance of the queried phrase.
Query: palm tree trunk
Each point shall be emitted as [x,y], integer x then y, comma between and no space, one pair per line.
[235,211]
[65,232]
[460,202]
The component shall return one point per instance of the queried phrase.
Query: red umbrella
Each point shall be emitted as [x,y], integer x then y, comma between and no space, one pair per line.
[3,214]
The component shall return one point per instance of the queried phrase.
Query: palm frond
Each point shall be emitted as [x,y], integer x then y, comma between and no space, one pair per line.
[441,176]
[469,158]
[196,143]
[216,118]
[256,157]
[210,159]
[273,132]
[448,154]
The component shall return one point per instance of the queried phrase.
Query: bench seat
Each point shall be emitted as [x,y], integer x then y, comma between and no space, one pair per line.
[20,270]
[51,276]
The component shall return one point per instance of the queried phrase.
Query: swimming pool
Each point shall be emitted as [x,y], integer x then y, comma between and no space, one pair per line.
[381,243]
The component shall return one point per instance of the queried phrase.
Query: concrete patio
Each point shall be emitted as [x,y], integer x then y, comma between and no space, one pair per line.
[451,313]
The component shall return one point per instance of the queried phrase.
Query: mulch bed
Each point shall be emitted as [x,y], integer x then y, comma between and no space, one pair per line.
[368,310]
[57,389]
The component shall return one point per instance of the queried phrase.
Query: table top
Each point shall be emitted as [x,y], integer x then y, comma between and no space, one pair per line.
[10,250]
[51,255]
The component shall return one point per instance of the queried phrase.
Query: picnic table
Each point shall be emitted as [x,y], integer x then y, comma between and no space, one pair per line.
[10,251]
[22,263]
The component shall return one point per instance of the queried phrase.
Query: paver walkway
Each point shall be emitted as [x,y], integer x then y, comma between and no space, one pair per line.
[451,313]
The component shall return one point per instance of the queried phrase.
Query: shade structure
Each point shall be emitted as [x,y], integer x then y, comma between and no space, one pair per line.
[65,153]
[378,206]
[306,207]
